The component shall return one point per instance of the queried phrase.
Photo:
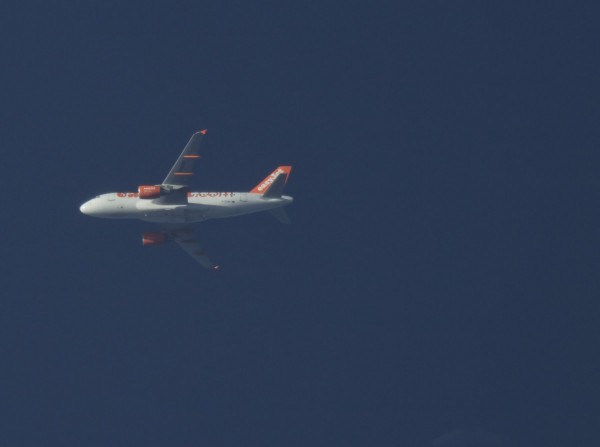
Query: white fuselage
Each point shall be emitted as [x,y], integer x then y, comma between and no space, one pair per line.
[201,206]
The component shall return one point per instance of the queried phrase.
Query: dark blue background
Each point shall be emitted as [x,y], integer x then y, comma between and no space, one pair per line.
[442,269]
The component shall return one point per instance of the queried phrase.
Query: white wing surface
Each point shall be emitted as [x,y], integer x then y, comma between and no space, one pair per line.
[186,239]
[183,170]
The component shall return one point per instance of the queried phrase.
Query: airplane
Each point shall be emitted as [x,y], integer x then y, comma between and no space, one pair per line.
[174,206]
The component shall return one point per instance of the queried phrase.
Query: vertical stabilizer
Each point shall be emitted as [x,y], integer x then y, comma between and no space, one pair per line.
[272,186]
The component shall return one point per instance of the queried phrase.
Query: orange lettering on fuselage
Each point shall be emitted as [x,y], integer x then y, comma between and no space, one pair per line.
[128,195]
[132,195]
[210,194]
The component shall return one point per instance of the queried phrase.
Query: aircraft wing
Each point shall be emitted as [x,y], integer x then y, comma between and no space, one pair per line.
[185,237]
[182,171]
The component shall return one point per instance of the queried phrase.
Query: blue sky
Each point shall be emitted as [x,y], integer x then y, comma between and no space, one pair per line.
[441,271]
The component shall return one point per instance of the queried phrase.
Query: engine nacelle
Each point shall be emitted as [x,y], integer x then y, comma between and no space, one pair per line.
[149,191]
[154,238]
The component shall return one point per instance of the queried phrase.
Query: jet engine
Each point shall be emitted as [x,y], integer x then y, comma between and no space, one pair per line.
[149,191]
[154,238]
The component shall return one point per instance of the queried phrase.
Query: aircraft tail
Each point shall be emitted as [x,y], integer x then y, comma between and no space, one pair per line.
[272,186]
[280,215]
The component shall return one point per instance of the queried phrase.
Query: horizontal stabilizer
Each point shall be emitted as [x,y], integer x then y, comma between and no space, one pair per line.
[280,215]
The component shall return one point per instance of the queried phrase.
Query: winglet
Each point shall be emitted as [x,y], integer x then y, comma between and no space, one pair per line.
[273,184]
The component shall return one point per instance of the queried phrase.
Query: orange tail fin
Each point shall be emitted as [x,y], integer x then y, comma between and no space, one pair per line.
[272,186]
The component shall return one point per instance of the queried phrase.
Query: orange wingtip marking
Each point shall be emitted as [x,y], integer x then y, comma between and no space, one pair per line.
[203,131]
[191,156]
[184,173]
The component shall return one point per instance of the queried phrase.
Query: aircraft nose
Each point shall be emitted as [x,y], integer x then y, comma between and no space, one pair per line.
[85,208]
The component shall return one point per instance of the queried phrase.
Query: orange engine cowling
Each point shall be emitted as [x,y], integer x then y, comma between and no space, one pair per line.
[149,191]
[154,238]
